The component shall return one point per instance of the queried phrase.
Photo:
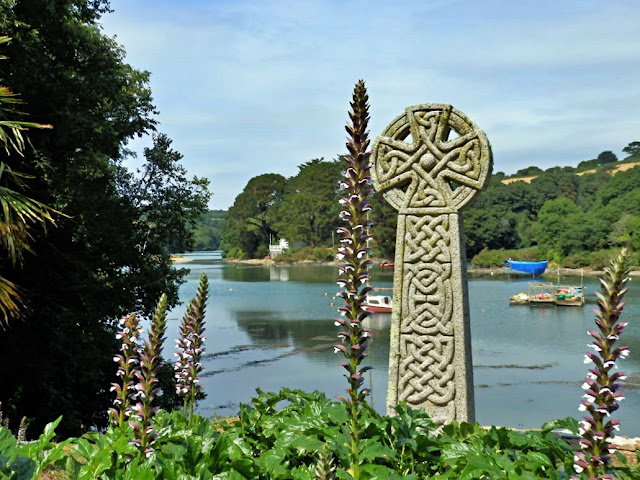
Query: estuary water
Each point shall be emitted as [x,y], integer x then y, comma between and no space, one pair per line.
[272,326]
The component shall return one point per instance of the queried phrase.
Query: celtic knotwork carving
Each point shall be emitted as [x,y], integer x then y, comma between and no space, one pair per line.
[426,329]
[432,171]
[427,293]
[427,370]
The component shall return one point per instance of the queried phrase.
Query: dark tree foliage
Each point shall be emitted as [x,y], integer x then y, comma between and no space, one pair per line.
[309,209]
[559,212]
[607,157]
[250,220]
[529,171]
[633,150]
[385,224]
[110,256]
[207,231]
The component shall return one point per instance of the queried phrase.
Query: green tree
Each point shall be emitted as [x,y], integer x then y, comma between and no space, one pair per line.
[309,210]
[207,231]
[166,201]
[385,224]
[632,150]
[250,219]
[563,228]
[529,171]
[110,256]
[607,157]
[626,232]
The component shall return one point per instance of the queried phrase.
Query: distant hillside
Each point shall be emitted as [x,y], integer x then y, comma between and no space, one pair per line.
[619,167]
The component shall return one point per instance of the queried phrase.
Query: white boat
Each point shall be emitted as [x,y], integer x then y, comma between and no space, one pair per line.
[378,303]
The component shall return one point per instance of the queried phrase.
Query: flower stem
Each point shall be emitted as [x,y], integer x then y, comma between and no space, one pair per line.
[354,252]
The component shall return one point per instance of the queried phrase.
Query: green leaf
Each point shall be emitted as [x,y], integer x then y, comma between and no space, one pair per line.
[371,450]
[539,458]
[381,472]
[229,475]
[568,423]
[452,453]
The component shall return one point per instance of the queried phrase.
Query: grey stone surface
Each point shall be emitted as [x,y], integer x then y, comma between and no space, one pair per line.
[429,163]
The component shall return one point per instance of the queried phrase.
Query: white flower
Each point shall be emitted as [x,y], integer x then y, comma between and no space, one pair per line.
[610,363]
[595,347]
[624,353]
[582,407]
[587,359]
[586,386]
[589,398]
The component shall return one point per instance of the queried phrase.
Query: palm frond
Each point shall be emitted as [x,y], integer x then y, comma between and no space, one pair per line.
[11,304]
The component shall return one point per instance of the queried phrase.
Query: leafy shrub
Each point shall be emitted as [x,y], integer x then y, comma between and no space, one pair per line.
[279,435]
[600,259]
[487,258]
[577,260]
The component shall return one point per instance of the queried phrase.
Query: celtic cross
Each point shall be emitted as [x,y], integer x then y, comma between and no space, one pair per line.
[429,163]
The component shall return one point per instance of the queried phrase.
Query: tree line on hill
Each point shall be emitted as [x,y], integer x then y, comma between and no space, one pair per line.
[570,215]
[108,253]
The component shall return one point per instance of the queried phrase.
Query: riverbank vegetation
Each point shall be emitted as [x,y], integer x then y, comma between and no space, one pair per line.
[573,217]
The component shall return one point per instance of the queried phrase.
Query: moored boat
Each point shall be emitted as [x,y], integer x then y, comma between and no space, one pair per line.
[534,268]
[378,303]
[519,299]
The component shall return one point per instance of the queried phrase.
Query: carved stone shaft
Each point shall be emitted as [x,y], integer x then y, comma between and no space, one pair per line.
[429,178]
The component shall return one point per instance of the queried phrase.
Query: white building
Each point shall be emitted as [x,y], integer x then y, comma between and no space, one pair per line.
[275,250]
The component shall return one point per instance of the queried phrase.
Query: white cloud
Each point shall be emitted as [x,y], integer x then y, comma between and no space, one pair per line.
[246,88]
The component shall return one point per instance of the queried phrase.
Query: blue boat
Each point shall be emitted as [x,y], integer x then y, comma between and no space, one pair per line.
[534,268]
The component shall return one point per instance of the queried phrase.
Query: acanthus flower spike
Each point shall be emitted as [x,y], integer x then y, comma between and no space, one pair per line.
[601,393]
[353,273]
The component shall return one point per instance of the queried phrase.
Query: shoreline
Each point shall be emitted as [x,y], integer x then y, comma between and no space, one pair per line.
[476,271]
[178,259]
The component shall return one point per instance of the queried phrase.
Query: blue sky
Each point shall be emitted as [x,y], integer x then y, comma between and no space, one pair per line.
[252,87]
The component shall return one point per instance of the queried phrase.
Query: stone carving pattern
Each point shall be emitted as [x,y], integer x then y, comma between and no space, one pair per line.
[426,371]
[427,180]
[420,174]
